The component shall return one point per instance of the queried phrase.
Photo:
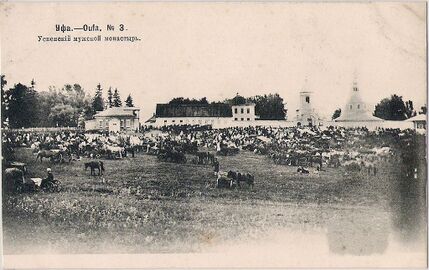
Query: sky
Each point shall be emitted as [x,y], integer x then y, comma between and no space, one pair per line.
[218,49]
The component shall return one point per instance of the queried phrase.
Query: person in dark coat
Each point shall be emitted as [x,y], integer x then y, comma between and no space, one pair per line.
[216,166]
[48,179]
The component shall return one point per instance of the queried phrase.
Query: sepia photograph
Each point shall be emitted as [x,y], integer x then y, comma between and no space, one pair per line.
[213,134]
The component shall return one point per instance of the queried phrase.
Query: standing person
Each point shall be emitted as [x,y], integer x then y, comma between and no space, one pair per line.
[216,166]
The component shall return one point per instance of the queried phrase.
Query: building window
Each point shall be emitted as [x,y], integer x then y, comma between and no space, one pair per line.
[235,110]
[181,121]
[242,110]
[106,124]
[307,99]
[128,123]
[242,119]
[358,106]
[101,123]
[236,119]
[173,121]
[165,121]
[351,106]
[248,110]
[248,119]
[122,123]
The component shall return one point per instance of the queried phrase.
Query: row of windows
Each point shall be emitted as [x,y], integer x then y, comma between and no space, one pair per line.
[211,121]
[123,122]
[242,119]
[351,106]
[193,121]
[242,110]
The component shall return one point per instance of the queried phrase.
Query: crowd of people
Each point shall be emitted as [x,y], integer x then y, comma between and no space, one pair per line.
[293,146]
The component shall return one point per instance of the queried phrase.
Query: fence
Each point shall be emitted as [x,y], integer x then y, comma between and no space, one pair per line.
[42,129]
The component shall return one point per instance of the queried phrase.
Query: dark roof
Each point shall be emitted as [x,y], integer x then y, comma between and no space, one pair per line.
[151,120]
[117,111]
[193,110]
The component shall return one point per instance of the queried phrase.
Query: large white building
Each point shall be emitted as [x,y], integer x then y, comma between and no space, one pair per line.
[115,119]
[217,115]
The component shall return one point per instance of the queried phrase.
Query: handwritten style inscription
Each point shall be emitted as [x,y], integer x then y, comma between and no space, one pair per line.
[93,31]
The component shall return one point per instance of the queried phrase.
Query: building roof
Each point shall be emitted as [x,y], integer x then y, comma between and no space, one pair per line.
[420,117]
[117,111]
[245,104]
[193,110]
[152,119]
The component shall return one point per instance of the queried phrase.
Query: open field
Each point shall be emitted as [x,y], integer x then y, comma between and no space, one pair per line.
[149,206]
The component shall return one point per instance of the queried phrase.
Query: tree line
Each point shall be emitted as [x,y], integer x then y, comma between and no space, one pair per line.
[391,108]
[69,106]
[267,107]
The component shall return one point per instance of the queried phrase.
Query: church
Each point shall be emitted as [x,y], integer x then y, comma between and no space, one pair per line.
[356,112]
[306,115]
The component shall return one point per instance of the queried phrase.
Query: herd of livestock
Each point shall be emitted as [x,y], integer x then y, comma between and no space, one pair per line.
[356,149]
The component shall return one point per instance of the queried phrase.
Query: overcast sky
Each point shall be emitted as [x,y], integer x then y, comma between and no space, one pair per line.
[215,50]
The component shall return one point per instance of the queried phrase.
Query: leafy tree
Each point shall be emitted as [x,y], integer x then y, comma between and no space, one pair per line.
[269,107]
[187,101]
[110,98]
[97,102]
[394,108]
[337,113]
[22,106]
[55,103]
[423,110]
[116,99]
[64,115]
[129,101]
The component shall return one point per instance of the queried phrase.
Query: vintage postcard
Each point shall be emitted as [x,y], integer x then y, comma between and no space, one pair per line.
[214,134]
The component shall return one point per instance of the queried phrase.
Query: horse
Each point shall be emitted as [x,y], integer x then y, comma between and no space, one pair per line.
[130,149]
[204,158]
[114,151]
[95,165]
[242,177]
[49,154]
[172,156]
[224,181]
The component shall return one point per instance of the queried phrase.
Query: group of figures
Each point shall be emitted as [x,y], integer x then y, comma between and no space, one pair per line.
[357,150]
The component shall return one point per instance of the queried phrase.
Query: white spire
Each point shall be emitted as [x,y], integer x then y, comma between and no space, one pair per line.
[355,86]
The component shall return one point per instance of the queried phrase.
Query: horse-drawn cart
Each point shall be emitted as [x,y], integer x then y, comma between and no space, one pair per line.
[16,181]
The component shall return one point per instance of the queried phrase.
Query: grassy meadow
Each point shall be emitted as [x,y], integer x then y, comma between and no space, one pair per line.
[143,205]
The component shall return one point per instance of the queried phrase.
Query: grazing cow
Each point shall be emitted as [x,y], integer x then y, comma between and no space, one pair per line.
[95,165]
